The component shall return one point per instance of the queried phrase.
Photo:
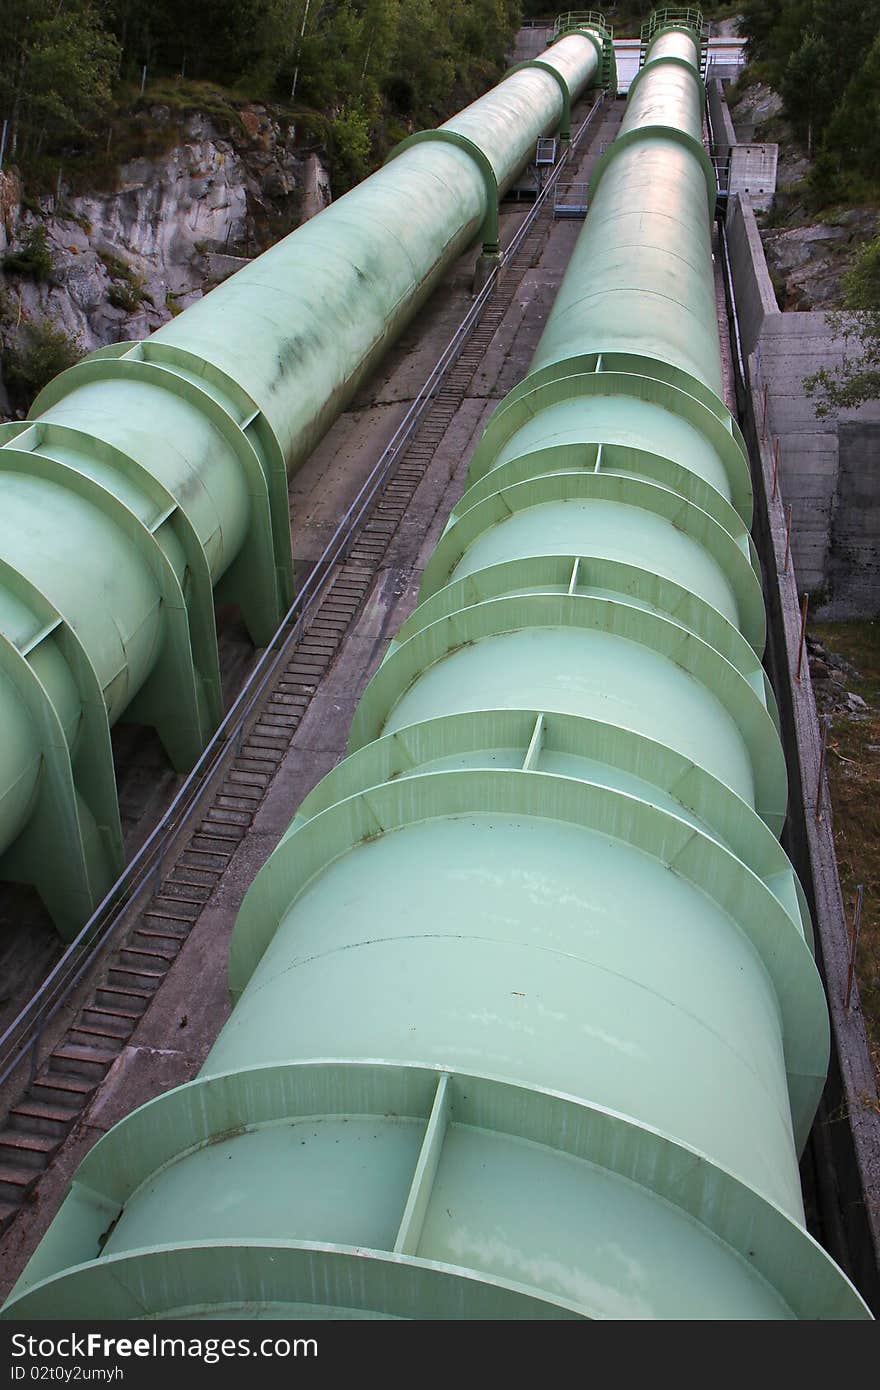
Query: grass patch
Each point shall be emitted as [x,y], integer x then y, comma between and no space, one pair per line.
[854,778]
[183,98]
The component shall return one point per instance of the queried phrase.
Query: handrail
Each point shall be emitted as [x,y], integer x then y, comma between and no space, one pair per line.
[574,19]
[687,16]
[24,1034]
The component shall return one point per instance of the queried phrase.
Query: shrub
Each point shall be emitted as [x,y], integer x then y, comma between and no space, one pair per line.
[124,297]
[351,148]
[127,288]
[65,213]
[33,259]
[38,353]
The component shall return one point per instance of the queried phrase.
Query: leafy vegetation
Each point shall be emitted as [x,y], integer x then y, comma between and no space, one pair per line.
[372,69]
[33,259]
[823,56]
[126,297]
[127,288]
[350,135]
[59,63]
[35,354]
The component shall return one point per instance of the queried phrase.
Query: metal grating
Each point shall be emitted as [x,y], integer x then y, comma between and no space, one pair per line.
[570,200]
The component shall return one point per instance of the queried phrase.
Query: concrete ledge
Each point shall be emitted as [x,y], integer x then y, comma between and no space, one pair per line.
[221,265]
[755,296]
[722,122]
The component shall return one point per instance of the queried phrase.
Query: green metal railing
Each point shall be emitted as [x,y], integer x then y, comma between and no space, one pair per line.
[676,17]
[684,16]
[576,19]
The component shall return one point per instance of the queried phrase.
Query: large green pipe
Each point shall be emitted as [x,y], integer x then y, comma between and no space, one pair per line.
[154,473]
[528,1023]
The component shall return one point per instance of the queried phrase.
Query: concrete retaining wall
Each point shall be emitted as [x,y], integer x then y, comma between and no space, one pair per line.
[531,42]
[752,166]
[722,122]
[790,347]
[854,556]
[753,171]
[828,468]
[755,297]
[843,1160]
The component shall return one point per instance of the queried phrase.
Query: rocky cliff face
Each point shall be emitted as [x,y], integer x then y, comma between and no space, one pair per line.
[120,264]
[807,263]
[807,255]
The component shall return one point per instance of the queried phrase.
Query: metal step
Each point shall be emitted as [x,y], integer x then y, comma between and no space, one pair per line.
[155,913]
[129,1015]
[62,1087]
[204,858]
[168,933]
[15,1182]
[79,1060]
[42,1116]
[8,1212]
[142,953]
[114,996]
[116,1028]
[27,1147]
[98,1039]
[130,972]
[180,891]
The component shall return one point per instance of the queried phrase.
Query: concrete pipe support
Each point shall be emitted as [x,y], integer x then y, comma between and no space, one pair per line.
[527,1020]
[155,473]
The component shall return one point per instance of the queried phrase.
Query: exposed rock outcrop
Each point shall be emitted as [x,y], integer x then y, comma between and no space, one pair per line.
[807,263]
[807,253]
[124,262]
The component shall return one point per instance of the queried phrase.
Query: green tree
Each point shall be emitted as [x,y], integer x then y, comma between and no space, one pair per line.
[375,67]
[34,357]
[225,41]
[854,131]
[821,56]
[774,29]
[807,87]
[58,69]
[424,71]
[352,146]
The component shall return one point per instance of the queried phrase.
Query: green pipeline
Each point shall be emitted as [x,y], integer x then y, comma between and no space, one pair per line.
[527,1020]
[152,477]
